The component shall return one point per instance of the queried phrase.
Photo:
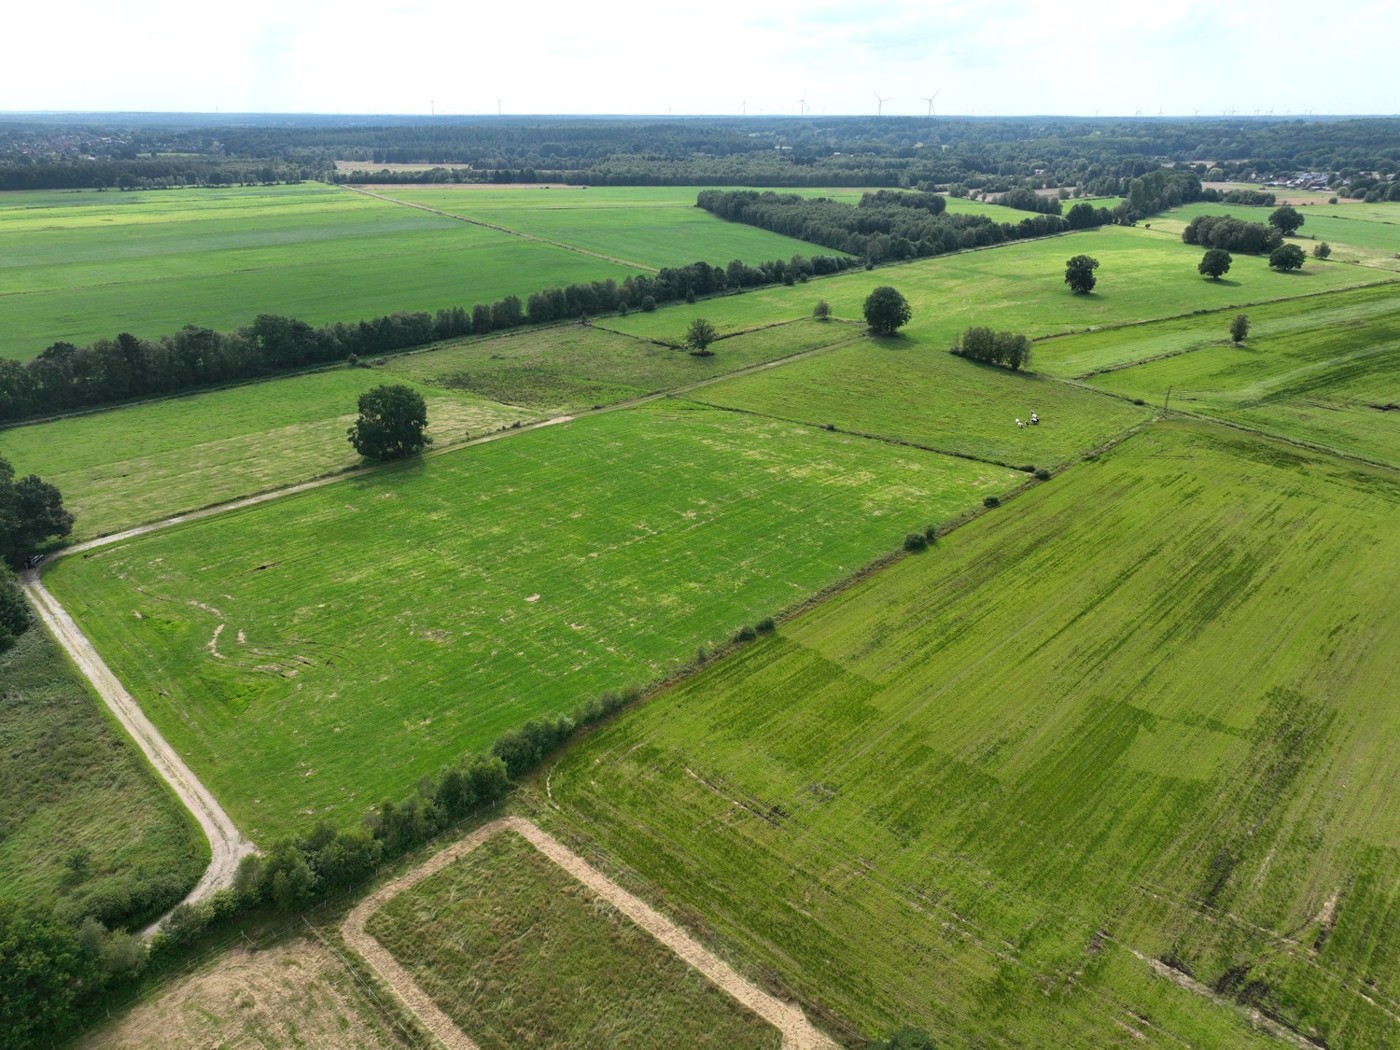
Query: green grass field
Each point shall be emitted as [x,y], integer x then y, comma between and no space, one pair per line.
[1143,712]
[130,465]
[82,816]
[1368,234]
[1325,376]
[311,656]
[519,954]
[908,390]
[644,225]
[1020,287]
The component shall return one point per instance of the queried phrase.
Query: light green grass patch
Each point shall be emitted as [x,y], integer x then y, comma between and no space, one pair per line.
[517,953]
[141,463]
[315,655]
[1144,709]
[66,773]
[1368,234]
[907,390]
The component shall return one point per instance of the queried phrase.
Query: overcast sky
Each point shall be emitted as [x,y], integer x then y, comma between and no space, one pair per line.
[725,56]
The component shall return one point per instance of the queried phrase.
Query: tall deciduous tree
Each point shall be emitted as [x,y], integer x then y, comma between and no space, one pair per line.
[393,423]
[1215,263]
[1287,257]
[699,336]
[1286,220]
[31,513]
[1079,274]
[886,310]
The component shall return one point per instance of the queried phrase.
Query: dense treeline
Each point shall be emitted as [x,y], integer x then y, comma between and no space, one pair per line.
[883,226]
[1231,234]
[1024,198]
[993,155]
[979,343]
[65,377]
[1159,190]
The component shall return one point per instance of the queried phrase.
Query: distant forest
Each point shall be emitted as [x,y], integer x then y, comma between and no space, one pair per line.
[1356,157]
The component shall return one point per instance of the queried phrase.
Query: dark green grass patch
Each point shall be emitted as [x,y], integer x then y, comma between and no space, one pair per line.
[911,391]
[573,367]
[84,824]
[315,655]
[129,465]
[519,954]
[1145,710]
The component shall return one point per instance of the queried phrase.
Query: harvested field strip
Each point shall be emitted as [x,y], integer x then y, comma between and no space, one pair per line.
[391,915]
[1145,709]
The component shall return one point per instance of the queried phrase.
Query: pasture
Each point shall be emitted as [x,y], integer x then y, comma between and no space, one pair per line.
[643,226]
[910,391]
[139,463]
[1142,714]
[1020,287]
[1368,234]
[65,770]
[312,656]
[517,953]
[1326,376]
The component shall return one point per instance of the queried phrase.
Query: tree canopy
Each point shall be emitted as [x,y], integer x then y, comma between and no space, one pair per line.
[31,513]
[1286,220]
[886,310]
[393,423]
[1079,274]
[1287,257]
[1215,263]
[699,336]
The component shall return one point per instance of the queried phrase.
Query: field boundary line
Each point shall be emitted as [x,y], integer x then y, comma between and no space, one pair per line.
[798,1033]
[227,846]
[502,229]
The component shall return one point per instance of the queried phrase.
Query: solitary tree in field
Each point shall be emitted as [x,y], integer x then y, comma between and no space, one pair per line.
[822,311]
[1079,274]
[1215,263]
[886,310]
[699,336]
[1287,257]
[1286,220]
[1239,328]
[393,423]
[1321,250]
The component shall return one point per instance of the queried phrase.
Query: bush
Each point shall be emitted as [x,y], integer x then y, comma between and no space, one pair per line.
[931,534]
[744,634]
[822,311]
[915,541]
[1042,475]
[765,625]
[991,501]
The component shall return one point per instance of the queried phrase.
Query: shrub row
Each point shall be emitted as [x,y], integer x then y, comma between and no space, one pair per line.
[980,343]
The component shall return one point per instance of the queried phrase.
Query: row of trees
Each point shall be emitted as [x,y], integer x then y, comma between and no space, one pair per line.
[1231,234]
[884,226]
[979,343]
[65,376]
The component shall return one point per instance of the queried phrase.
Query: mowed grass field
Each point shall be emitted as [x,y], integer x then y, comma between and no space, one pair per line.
[649,226]
[1142,713]
[1327,376]
[141,463]
[82,816]
[312,656]
[517,953]
[1020,287]
[908,390]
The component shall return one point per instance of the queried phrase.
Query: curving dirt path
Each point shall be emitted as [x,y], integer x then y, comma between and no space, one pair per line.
[227,846]
[798,1033]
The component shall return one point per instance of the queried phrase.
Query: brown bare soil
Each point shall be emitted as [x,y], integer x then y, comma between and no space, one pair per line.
[293,995]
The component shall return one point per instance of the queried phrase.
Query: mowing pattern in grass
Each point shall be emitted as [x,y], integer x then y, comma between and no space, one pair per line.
[1326,375]
[908,390]
[649,226]
[1150,711]
[81,266]
[129,465]
[317,654]
[83,820]
[1020,287]
[519,954]
[573,367]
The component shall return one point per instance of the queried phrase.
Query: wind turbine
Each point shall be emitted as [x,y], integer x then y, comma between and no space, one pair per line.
[880,105]
[929,100]
[802,102]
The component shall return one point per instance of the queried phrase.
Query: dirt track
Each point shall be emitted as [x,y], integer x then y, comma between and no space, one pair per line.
[226,845]
[798,1033]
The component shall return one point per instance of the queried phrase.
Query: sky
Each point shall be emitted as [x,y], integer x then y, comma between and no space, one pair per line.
[760,57]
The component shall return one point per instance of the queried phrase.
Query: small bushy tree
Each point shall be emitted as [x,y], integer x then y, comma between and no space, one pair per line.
[1215,263]
[699,336]
[393,423]
[1286,220]
[822,311]
[1287,257]
[1239,328]
[1321,250]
